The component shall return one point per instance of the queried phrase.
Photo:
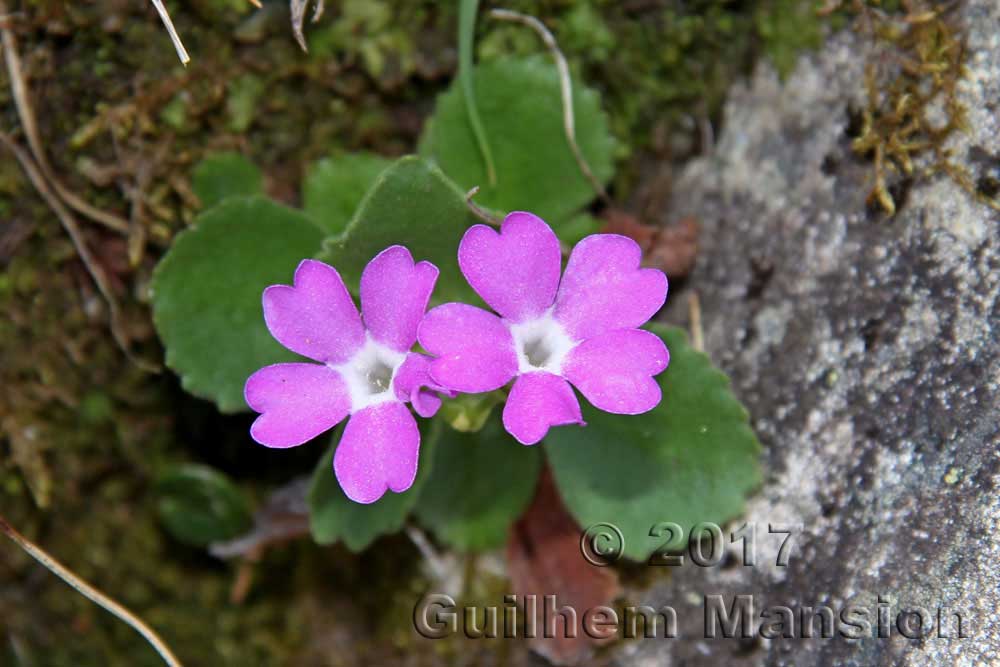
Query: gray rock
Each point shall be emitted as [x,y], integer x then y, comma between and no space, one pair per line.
[866,351]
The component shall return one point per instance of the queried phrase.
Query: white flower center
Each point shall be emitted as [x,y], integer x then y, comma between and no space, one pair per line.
[369,374]
[541,344]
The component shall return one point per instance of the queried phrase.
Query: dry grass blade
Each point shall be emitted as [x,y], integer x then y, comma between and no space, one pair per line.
[76,236]
[566,88]
[694,314]
[298,9]
[27,117]
[174,37]
[89,592]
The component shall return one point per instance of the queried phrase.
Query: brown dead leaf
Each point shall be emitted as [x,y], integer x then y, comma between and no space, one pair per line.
[284,517]
[544,558]
[672,249]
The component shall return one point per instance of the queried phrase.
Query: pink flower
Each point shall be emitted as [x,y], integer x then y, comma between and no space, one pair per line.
[366,370]
[550,333]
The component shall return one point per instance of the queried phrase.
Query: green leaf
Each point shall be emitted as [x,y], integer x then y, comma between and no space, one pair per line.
[198,505]
[412,204]
[577,227]
[336,185]
[225,175]
[692,459]
[521,109]
[480,484]
[207,293]
[334,517]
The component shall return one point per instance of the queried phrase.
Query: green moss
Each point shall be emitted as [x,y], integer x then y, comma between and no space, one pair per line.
[912,107]
[660,65]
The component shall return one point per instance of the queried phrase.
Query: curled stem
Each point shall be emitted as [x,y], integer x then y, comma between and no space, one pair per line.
[89,592]
[566,90]
[477,210]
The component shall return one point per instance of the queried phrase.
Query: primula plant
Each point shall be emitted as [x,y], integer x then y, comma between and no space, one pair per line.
[366,370]
[550,333]
[491,343]
[581,330]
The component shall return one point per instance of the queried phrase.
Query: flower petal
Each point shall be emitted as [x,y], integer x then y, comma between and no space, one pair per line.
[516,271]
[474,350]
[604,289]
[614,371]
[536,402]
[315,317]
[297,402]
[394,296]
[378,451]
[413,383]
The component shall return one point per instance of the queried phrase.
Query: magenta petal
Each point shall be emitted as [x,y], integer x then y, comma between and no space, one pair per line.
[614,371]
[394,296]
[378,451]
[516,271]
[474,350]
[536,402]
[413,383]
[604,289]
[316,316]
[297,402]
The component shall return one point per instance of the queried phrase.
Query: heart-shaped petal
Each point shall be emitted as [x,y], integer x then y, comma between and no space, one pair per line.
[515,270]
[604,288]
[316,316]
[474,349]
[394,296]
[377,452]
[615,371]
[297,402]
[536,402]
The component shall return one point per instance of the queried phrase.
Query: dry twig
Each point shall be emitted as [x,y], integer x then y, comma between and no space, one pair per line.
[89,592]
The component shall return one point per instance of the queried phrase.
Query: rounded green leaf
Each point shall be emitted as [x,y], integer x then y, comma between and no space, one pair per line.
[480,484]
[691,459]
[335,186]
[413,204]
[207,293]
[334,517]
[198,505]
[225,175]
[520,105]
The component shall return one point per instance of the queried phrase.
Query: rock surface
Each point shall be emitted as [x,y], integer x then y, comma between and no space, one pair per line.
[867,353]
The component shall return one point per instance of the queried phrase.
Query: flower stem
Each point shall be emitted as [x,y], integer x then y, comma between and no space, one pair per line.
[89,592]
[467,11]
